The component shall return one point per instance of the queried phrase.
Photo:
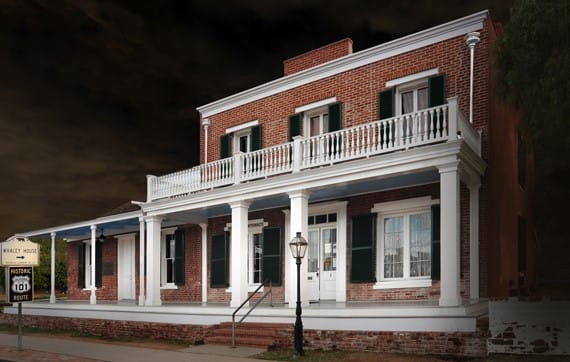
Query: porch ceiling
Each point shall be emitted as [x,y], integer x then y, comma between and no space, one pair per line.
[333,192]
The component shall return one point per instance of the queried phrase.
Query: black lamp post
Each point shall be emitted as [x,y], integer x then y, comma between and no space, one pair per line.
[298,247]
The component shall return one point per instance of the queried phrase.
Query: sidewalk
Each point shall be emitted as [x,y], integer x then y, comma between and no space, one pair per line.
[54,349]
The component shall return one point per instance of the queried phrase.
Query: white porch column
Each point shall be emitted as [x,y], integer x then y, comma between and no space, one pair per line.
[238,254]
[153,224]
[52,270]
[474,240]
[142,241]
[450,250]
[298,223]
[204,228]
[93,297]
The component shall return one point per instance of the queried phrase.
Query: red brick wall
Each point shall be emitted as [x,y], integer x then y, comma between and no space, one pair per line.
[317,56]
[358,89]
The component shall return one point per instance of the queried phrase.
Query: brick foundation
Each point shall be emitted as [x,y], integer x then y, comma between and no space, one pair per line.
[441,343]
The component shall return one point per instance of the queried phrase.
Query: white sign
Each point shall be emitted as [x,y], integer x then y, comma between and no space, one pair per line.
[20,252]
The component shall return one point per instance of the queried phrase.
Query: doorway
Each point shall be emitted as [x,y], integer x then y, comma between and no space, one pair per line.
[126,268]
[322,259]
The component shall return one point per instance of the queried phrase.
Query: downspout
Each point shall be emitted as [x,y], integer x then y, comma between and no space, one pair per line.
[206,124]
[471,39]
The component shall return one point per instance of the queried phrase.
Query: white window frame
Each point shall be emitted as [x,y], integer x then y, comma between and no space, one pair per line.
[236,141]
[87,269]
[404,208]
[163,236]
[412,86]
[254,226]
[317,112]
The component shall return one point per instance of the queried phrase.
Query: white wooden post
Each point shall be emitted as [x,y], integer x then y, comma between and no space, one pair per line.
[297,153]
[153,224]
[93,297]
[474,240]
[298,223]
[52,276]
[149,183]
[450,222]
[238,255]
[452,120]
[142,242]
[238,167]
[204,228]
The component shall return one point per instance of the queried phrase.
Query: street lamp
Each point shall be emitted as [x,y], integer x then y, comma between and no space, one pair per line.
[298,247]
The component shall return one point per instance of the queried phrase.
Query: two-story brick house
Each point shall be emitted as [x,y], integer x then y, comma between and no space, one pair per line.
[396,164]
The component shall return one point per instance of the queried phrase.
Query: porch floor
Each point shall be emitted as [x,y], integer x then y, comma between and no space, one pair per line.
[325,315]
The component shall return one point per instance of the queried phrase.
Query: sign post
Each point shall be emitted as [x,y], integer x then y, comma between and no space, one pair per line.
[20,255]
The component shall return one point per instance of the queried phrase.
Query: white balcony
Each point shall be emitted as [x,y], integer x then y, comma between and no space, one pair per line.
[433,125]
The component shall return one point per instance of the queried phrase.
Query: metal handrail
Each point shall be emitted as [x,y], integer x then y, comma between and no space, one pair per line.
[234,323]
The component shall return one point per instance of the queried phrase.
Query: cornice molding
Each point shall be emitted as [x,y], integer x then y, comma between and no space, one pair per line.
[454,28]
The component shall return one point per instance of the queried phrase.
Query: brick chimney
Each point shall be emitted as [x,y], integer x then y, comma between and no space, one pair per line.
[318,56]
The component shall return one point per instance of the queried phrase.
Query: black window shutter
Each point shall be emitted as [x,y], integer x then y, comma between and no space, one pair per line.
[225,146]
[179,263]
[218,262]
[81,266]
[363,235]
[522,244]
[255,138]
[335,117]
[98,264]
[294,126]
[272,255]
[435,243]
[436,90]
[386,104]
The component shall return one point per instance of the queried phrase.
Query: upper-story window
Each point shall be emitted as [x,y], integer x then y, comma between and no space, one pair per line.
[245,137]
[412,93]
[316,118]
[412,97]
[316,122]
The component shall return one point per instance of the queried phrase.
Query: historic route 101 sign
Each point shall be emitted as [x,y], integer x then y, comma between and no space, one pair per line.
[20,252]
[21,284]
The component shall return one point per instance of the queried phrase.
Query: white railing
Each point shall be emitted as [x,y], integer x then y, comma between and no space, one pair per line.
[432,125]
[401,132]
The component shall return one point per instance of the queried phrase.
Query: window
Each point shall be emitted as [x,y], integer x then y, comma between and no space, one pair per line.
[172,251]
[242,138]
[412,97]
[316,122]
[406,246]
[84,265]
[255,256]
[406,237]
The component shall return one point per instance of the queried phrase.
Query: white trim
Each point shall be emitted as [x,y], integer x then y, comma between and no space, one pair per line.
[410,283]
[242,126]
[404,206]
[412,77]
[168,286]
[324,102]
[439,33]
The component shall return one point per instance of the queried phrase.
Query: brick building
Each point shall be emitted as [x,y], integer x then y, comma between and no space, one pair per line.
[396,163]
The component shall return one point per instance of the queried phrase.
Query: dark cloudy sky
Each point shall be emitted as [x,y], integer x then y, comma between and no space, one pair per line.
[94,95]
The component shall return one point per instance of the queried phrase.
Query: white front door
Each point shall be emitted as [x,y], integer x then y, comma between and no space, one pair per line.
[322,261]
[126,268]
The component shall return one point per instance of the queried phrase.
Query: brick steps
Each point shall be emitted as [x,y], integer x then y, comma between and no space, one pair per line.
[259,335]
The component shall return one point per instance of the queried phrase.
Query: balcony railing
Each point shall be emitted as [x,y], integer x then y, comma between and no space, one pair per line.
[428,126]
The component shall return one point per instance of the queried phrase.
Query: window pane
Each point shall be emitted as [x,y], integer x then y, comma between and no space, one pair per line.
[244,143]
[420,245]
[407,102]
[422,98]
[313,252]
[315,126]
[325,123]
[257,258]
[321,219]
[394,247]
[329,252]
